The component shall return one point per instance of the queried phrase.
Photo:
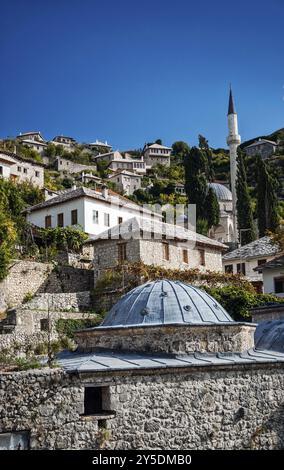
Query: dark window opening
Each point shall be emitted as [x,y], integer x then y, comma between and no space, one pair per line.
[185,256]
[122,252]
[241,268]
[44,324]
[229,269]
[1,170]
[74,217]
[261,261]
[120,220]
[17,440]
[96,401]
[279,285]
[60,220]
[48,221]
[202,257]
[166,251]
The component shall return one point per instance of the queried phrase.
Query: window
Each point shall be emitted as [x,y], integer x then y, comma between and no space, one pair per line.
[60,220]
[185,256]
[96,400]
[119,220]
[121,252]
[19,169]
[229,269]
[279,285]
[95,217]
[25,170]
[1,170]
[261,261]
[74,217]
[241,268]
[166,251]
[48,221]
[106,219]
[44,324]
[37,174]
[202,257]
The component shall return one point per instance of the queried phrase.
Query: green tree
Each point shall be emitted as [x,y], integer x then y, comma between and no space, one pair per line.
[204,146]
[212,209]
[195,179]
[180,150]
[267,202]
[244,206]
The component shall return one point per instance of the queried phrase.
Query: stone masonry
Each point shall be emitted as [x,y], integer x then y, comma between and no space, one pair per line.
[221,407]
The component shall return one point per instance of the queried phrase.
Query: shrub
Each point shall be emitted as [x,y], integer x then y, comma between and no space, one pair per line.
[67,327]
[28,297]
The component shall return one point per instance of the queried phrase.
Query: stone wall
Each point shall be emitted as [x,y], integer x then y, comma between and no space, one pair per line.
[30,277]
[176,339]
[224,407]
[268,312]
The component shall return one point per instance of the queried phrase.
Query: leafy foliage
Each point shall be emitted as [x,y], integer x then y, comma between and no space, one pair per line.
[244,206]
[65,238]
[67,327]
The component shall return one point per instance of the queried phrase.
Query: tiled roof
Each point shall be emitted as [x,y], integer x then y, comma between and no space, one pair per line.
[112,198]
[135,225]
[256,249]
[110,361]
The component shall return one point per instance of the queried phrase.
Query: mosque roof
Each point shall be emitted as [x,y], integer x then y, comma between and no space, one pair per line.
[221,191]
[165,302]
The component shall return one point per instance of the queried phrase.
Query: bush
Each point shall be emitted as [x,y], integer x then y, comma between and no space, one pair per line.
[238,301]
[67,327]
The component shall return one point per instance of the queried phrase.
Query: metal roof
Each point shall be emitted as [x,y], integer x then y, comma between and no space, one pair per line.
[108,361]
[256,249]
[165,302]
[221,191]
[231,109]
[270,335]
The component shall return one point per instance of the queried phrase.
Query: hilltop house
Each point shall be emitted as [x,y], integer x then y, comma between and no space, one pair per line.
[245,259]
[126,181]
[20,169]
[115,161]
[102,147]
[155,243]
[33,140]
[263,147]
[156,153]
[93,210]
[63,164]
[66,142]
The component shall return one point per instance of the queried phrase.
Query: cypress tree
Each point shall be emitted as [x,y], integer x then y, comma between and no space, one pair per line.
[195,179]
[212,209]
[244,207]
[267,202]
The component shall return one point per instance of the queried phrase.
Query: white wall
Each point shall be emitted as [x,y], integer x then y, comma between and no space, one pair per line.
[38,217]
[251,275]
[268,280]
[30,175]
[6,170]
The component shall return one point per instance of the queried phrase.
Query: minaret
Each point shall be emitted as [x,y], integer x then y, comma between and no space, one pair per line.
[233,141]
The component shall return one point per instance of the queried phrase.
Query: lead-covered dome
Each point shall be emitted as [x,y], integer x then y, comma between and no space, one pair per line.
[166,302]
[221,191]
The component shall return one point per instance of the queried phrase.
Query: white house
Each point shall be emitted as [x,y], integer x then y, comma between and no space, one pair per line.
[157,153]
[126,181]
[100,146]
[93,210]
[20,169]
[66,142]
[273,276]
[116,161]
[33,140]
[245,259]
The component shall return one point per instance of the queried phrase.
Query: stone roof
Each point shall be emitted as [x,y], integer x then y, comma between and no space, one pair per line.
[165,302]
[110,361]
[124,172]
[221,191]
[261,141]
[256,249]
[277,262]
[132,227]
[158,146]
[112,198]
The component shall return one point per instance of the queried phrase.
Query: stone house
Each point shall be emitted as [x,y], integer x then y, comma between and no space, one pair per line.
[115,161]
[263,147]
[21,169]
[167,369]
[65,165]
[33,140]
[156,153]
[245,259]
[273,275]
[66,142]
[93,210]
[126,181]
[155,243]
[98,146]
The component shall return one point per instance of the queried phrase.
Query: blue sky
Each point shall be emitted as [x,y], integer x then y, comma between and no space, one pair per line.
[133,71]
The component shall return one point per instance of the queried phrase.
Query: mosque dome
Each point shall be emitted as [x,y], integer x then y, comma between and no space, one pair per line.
[221,191]
[166,302]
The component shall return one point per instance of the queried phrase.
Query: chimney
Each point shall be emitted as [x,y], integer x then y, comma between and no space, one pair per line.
[105,191]
[74,186]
